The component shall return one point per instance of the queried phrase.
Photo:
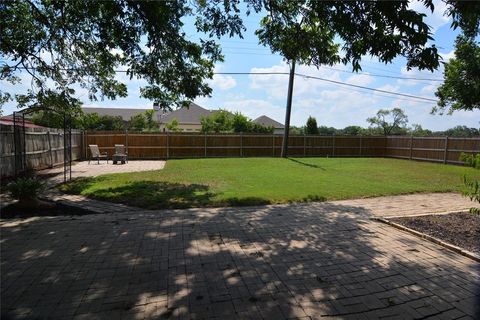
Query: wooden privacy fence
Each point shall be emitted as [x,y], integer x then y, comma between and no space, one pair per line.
[197,145]
[44,148]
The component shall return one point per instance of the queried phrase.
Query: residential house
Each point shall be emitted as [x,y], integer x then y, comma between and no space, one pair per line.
[265,121]
[8,121]
[189,119]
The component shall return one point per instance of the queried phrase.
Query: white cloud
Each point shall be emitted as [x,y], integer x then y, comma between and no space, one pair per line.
[447,56]
[223,82]
[436,19]
[360,79]
[429,89]
[220,81]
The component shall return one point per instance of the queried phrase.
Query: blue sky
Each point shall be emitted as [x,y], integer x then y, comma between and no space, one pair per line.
[331,105]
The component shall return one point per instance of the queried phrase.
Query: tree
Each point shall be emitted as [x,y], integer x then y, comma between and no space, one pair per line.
[462,131]
[173,126]
[52,119]
[311,126]
[418,131]
[461,87]
[66,45]
[352,131]
[240,123]
[390,121]
[137,122]
[219,121]
[150,123]
[225,121]
[327,131]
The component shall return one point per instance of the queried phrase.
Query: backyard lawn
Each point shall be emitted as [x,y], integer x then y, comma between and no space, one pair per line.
[251,181]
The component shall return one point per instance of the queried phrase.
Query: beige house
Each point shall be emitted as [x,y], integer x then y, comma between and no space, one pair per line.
[265,121]
[189,119]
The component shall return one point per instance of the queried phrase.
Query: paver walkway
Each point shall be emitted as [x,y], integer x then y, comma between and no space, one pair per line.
[305,261]
[413,204]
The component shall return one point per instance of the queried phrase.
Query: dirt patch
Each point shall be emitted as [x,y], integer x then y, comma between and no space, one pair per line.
[58,209]
[460,229]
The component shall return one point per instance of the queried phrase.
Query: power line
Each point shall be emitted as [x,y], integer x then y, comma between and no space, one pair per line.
[366,88]
[332,81]
[300,75]
[383,75]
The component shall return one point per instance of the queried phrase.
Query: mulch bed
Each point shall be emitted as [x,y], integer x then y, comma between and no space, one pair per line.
[10,211]
[460,229]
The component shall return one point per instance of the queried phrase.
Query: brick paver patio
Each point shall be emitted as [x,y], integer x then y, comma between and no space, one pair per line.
[84,169]
[305,261]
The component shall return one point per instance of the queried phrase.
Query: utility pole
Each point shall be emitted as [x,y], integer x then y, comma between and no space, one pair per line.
[289,110]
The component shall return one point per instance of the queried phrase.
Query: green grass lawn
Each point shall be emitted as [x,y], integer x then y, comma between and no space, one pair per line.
[250,181]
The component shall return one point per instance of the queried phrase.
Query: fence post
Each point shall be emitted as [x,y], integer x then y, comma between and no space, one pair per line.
[50,148]
[446,150]
[333,151]
[273,145]
[168,145]
[241,144]
[304,145]
[126,140]
[205,145]
[411,147]
[84,147]
[360,146]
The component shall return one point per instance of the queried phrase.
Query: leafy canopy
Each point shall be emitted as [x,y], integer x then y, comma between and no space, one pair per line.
[67,45]
[461,87]
[225,121]
[389,121]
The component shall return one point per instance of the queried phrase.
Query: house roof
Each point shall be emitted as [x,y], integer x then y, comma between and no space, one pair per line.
[191,115]
[8,121]
[125,113]
[268,122]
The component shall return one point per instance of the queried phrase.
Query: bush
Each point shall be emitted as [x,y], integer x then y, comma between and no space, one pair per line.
[25,188]
[471,160]
[472,186]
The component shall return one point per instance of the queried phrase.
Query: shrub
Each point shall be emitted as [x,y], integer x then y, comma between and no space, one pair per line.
[471,160]
[472,186]
[25,188]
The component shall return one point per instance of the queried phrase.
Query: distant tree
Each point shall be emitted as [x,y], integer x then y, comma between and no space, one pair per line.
[297,130]
[150,123]
[173,126]
[461,87]
[137,122]
[311,126]
[462,131]
[240,123]
[219,121]
[89,121]
[53,119]
[352,131]
[418,131]
[390,121]
[225,121]
[258,128]
[327,131]
[110,123]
